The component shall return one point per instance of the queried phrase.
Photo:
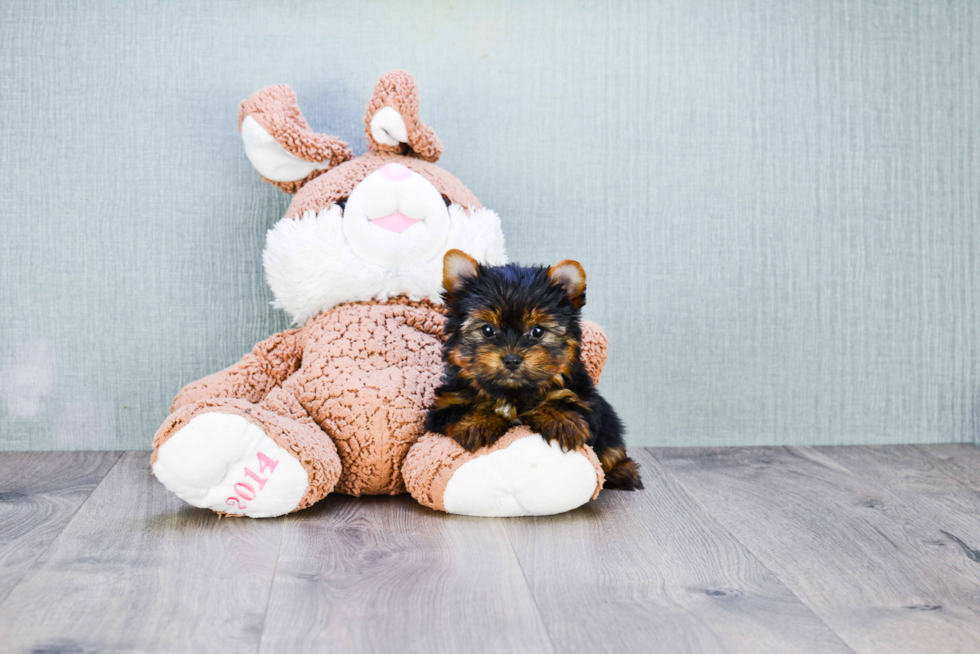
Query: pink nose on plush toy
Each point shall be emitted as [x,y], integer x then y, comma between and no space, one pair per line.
[396,172]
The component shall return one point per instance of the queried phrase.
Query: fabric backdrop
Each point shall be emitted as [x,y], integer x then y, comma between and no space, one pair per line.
[776,202]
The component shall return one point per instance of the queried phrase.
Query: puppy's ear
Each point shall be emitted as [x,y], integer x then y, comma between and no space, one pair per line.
[457,267]
[571,277]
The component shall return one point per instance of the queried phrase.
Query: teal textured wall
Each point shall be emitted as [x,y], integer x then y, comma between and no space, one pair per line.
[777,203]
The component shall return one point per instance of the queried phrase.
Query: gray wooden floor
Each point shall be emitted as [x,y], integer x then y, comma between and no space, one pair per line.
[858,549]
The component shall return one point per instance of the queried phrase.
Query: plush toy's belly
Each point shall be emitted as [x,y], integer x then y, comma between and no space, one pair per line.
[369,373]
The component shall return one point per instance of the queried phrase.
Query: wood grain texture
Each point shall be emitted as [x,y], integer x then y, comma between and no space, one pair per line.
[930,488]
[636,569]
[959,461]
[869,549]
[775,202]
[39,494]
[137,570]
[387,575]
[864,558]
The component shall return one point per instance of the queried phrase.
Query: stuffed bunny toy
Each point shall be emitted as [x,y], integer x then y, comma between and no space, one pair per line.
[337,405]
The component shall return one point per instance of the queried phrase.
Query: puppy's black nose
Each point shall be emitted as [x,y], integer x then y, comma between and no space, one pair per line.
[512,361]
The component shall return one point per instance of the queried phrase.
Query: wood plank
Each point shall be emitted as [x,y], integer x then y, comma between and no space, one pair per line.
[863,559]
[961,461]
[631,571]
[139,570]
[386,575]
[39,494]
[936,489]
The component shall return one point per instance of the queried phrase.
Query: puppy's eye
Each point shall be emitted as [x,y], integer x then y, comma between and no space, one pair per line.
[537,331]
[488,331]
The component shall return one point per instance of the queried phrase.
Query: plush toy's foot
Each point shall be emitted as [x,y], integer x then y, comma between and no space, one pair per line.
[520,475]
[234,457]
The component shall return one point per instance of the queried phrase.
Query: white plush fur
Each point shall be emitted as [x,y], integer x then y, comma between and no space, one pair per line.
[311,267]
[528,477]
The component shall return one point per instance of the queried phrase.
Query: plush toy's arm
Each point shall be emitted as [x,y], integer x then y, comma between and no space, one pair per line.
[594,349]
[251,379]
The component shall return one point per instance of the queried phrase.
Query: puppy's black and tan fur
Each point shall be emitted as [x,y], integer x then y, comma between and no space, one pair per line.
[513,357]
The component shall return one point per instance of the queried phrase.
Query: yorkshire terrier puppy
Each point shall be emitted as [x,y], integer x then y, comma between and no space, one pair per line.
[512,357]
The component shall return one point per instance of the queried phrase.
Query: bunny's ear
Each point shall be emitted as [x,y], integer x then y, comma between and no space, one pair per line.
[392,122]
[279,142]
